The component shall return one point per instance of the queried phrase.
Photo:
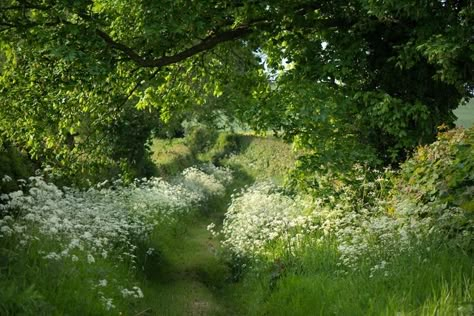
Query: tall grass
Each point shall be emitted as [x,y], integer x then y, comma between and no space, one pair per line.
[437,284]
[263,158]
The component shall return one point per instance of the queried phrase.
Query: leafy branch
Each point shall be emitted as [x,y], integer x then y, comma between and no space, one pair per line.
[205,45]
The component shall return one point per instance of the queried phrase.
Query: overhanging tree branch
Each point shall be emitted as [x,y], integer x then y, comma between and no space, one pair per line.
[25,7]
[206,44]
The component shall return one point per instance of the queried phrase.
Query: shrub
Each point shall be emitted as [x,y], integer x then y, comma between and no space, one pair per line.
[13,166]
[200,139]
[224,145]
[442,171]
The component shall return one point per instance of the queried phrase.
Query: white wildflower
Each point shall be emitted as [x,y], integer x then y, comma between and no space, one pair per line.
[6,230]
[102,283]
[52,256]
[90,258]
[6,178]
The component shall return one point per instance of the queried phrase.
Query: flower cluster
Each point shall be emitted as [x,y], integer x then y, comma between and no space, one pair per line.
[262,215]
[101,222]
[204,184]
[366,223]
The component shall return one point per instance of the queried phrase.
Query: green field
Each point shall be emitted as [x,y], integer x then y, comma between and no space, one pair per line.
[465,115]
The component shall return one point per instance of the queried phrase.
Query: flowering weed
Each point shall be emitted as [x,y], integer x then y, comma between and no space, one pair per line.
[92,236]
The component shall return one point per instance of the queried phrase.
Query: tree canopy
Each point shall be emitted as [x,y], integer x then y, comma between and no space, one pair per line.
[82,81]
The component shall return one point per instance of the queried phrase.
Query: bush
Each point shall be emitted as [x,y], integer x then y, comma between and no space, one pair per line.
[200,139]
[442,171]
[13,166]
[224,145]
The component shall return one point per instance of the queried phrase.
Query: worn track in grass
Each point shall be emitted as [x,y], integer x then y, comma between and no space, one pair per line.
[187,276]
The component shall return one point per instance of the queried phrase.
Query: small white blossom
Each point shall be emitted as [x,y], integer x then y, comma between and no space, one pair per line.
[102,283]
[90,258]
[6,178]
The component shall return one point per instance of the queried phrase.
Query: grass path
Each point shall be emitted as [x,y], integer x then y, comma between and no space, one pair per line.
[186,277]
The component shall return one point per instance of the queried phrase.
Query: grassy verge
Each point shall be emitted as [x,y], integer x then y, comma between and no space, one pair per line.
[314,284]
[263,158]
[258,157]
[31,285]
[86,252]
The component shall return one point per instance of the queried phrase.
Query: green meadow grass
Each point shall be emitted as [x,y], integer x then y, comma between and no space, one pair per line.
[258,157]
[465,115]
[313,284]
[184,277]
[29,286]
[263,158]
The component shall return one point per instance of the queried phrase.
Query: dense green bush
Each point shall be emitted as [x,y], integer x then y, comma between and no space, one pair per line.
[225,144]
[13,166]
[263,158]
[200,139]
[442,171]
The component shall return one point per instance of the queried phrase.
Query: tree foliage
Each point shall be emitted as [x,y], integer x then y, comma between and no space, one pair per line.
[379,75]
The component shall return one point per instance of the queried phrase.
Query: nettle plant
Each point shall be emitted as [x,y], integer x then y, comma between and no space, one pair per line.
[442,171]
[438,184]
[108,222]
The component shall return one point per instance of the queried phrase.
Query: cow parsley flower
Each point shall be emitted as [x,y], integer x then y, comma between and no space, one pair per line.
[102,283]
[90,259]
